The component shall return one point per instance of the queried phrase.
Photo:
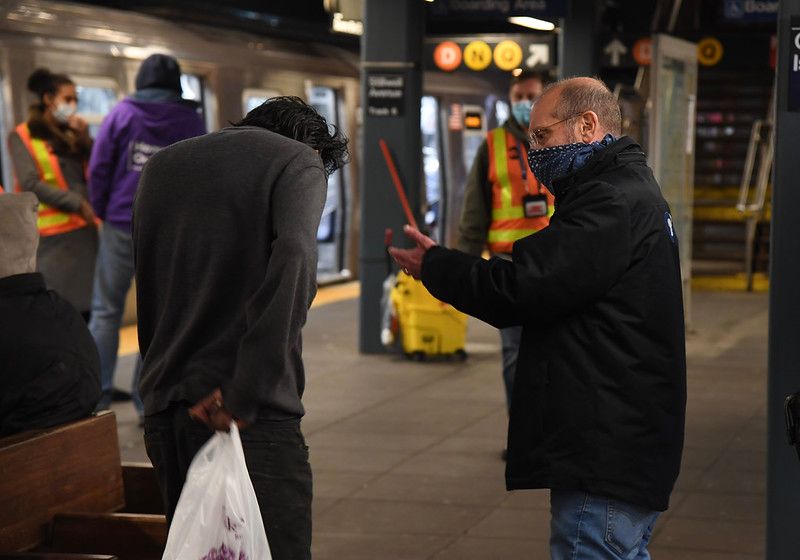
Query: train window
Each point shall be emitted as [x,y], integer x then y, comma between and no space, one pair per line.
[252,98]
[192,86]
[96,97]
[6,181]
[333,224]
[192,90]
[431,163]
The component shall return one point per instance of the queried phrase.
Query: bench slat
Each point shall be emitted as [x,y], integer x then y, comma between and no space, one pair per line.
[141,489]
[125,535]
[73,467]
[54,556]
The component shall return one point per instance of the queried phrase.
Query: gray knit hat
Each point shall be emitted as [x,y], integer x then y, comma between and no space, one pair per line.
[19,236]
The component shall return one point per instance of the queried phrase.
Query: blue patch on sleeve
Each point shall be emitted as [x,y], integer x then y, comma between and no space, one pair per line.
[670,227]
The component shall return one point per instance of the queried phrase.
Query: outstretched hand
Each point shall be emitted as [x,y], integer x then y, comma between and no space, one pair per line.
[411,259]
[211,411]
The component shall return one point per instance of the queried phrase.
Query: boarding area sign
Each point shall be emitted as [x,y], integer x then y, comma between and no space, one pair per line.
[497,9]
[749,11]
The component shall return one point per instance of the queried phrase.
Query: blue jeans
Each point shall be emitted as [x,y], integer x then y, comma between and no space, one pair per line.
[510,338]
[589,527]
[112,280]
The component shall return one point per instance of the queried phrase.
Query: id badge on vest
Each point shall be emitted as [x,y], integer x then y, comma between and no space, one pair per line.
[534,205]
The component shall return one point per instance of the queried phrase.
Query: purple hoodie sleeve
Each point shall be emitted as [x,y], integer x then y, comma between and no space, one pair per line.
[101,166]
[200,127]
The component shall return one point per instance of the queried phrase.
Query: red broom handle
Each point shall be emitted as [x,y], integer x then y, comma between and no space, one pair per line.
[398,185]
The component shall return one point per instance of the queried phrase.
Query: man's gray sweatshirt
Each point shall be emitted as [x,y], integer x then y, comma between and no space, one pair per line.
[224,233]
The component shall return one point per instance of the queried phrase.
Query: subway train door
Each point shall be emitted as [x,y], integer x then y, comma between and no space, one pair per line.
[6,180]
[466,129]
[435,211]
[331,235]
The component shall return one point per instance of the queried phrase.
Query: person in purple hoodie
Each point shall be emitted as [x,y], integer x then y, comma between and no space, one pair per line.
[152,118]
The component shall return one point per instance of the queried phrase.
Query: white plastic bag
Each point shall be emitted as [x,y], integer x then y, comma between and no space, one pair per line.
[217,516]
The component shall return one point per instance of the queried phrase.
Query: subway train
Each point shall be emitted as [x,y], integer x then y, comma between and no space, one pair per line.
[228,72]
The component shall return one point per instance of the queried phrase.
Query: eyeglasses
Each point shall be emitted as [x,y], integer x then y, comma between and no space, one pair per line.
[538,136]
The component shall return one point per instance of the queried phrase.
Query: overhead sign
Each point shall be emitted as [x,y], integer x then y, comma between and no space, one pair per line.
[794,66]
[709,51]
[748,11]
[615,49]
[477,55]
[643,51]
[732,51]
[385,95]
[447,56]
[626,51]
[507,55]
[491,54]
[497,9]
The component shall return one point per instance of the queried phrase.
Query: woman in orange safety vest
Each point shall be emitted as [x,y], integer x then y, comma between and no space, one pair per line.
[49,152]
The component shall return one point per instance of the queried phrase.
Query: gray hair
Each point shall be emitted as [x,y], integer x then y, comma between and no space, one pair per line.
[577,95]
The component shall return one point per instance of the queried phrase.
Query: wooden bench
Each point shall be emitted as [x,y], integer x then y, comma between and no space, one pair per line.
[67,497]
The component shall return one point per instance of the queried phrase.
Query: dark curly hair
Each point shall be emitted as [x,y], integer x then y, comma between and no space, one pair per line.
[292,117]
[43,81]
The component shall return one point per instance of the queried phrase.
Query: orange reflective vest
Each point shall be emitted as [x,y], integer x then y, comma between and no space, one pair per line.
[51,221]
[512,180]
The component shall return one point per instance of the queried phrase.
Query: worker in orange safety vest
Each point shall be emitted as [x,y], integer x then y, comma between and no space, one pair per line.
[503,200]
[49,152]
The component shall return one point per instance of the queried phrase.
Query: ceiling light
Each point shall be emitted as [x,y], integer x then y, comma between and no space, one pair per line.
[532,23]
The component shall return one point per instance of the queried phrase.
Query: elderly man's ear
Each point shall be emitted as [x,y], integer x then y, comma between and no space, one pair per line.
[589,127]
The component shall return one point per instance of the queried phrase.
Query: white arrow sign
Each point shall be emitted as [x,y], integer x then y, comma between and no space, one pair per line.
[538,54]
[615,49]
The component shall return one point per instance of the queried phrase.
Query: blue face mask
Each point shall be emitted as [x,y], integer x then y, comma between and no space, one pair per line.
[522,112]
[549,164]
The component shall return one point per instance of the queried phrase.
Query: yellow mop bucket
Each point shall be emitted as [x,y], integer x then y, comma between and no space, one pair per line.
[428,327]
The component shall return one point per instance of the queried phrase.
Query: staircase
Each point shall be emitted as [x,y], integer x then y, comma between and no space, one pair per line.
[728,104]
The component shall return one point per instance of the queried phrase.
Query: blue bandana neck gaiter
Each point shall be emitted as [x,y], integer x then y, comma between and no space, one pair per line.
[549,164]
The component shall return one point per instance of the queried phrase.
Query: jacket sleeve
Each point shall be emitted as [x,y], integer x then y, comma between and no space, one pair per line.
[101,166]
[556,271]
[27,175]
[271,346]
[476,212]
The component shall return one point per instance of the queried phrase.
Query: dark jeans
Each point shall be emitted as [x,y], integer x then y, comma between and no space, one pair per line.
[276,457]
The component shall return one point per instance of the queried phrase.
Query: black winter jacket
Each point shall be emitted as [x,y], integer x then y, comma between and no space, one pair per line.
[49,367]
[600,391]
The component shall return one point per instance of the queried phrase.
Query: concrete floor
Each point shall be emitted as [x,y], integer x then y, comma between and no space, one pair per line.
[406,456]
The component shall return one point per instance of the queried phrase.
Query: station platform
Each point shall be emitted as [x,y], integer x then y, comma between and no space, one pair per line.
[407,456]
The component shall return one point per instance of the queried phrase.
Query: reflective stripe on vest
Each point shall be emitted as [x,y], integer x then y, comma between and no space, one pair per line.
[51,221]
[509,186]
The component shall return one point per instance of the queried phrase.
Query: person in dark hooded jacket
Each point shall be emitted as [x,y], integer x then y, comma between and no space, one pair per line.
[597,413]
[138,126]
[49,369]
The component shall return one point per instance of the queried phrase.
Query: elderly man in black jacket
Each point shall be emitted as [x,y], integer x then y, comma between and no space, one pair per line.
[598,410]
[49,367]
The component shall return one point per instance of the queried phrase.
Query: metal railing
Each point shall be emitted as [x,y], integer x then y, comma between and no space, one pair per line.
[752,197]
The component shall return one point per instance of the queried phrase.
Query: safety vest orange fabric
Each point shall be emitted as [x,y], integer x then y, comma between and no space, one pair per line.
[511,180]
[51,221]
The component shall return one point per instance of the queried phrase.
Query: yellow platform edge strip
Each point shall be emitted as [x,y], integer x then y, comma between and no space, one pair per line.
[729,283]
[129,341]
